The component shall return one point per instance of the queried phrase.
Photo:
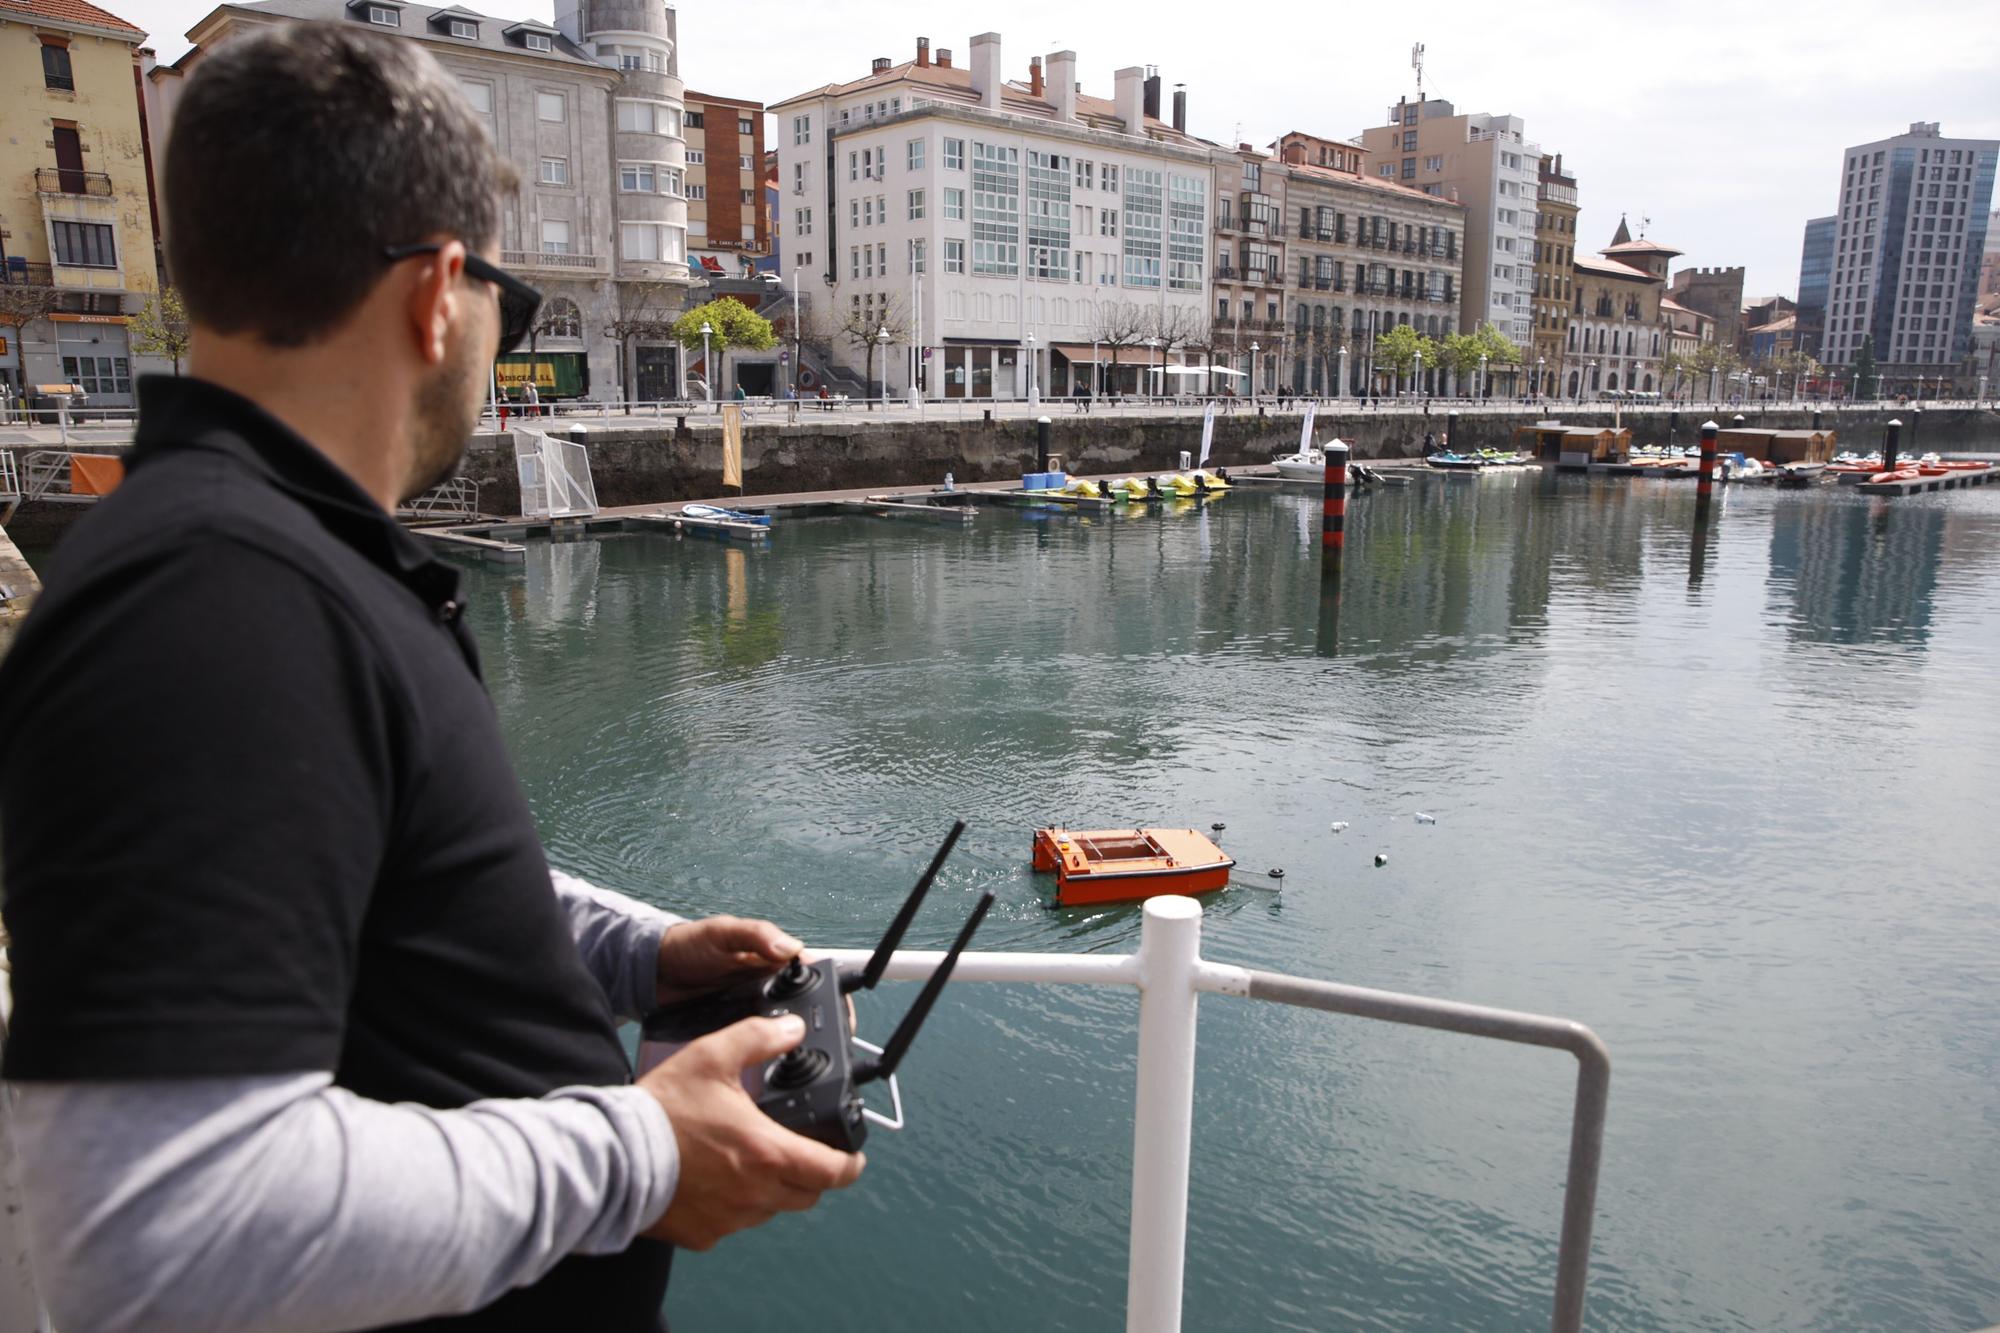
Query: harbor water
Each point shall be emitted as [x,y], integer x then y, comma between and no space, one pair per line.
[1726,795]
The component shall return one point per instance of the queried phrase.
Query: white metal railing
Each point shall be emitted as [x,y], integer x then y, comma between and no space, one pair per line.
[552,259]
[1171,975]
[457,498]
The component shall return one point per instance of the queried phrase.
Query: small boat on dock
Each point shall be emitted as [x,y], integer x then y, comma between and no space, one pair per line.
[1121,865]
[717,514]
[1308,464]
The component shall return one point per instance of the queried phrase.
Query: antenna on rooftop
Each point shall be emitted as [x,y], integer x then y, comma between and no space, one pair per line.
[1417,64]
[1644,222]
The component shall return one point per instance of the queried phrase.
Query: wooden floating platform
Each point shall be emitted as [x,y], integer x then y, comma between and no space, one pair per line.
[957,515]
[486,548]
[1949,481]
[720,529]
[1082,504]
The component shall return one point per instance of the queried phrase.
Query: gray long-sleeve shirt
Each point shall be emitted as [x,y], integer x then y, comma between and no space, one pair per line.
[280,1202]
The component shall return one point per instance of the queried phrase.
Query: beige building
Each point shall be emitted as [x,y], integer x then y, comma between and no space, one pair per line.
[590,112]
[1367,254]
[1487,164]
[1248,325]
[1555,273]
[1616,340]
[76,213]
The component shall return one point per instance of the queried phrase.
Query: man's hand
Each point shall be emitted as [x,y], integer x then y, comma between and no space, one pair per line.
[739,1167]
[698,956]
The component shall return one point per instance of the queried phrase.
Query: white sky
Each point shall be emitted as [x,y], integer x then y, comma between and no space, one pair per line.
[1723,123]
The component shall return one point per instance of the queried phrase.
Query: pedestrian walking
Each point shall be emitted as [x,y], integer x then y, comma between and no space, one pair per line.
[531,400]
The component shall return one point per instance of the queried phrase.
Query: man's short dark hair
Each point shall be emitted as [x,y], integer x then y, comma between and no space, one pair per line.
[297,156]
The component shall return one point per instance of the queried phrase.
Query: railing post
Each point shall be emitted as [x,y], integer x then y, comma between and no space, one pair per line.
[1163,1122]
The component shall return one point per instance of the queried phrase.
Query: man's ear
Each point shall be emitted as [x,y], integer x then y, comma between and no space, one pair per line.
[434,299]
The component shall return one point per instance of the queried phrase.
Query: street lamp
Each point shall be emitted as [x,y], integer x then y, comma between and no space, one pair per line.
[1482,375]
[1034,389]
[707,370]
[1342,387]
[1096,371]
[1254,349]
[798,353]
[1590,384]
[1541,376]
[1151,343]
[882,342]
[1419,385]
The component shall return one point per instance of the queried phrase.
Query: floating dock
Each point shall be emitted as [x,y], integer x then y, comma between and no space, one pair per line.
[1946,481]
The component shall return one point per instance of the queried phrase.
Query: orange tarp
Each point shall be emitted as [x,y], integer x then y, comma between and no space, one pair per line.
[95,474]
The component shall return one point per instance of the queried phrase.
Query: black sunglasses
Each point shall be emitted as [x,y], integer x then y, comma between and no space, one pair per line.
[518,301]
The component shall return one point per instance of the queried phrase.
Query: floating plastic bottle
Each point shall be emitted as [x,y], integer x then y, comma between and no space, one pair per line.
[1423,818]
[1339,826]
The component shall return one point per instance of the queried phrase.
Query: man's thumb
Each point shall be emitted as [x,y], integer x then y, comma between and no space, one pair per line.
[754,1039]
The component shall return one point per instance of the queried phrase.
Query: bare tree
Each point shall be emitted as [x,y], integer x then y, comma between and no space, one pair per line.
[1118,324]
[645,310]
[22,303]
[857,326]
[1174,328]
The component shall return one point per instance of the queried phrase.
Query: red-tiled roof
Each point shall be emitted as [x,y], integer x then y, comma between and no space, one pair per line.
[1641,246]
[1382,183]
[70,11]
[1611,268]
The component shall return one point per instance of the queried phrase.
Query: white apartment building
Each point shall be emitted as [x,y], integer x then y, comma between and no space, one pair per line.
[1908,240]
[1003,232]
[1487,164]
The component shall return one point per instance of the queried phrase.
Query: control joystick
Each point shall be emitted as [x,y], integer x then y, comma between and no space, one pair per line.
[812,1088]
[793,981]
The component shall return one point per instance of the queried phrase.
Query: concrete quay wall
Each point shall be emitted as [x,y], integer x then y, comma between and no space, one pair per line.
[643,466]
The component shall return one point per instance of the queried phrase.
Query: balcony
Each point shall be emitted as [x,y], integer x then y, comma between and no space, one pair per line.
[20,273]
[1323,282]
[552,261]
[1224,273]
[1227,222]
[1305,282]
[62,180]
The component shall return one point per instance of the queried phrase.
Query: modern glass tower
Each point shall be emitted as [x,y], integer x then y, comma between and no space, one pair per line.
[1907,245]
[1815,278]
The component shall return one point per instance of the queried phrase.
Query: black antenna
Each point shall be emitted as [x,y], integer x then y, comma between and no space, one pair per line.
[871,974]
[906,1031]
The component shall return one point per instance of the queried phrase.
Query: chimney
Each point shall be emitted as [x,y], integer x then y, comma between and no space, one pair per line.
[879,65]
[1035,76]
[944,57]
[986,69]
[1062,81]
[1152,92]
[923,53]
[1129,100]
[1180,107]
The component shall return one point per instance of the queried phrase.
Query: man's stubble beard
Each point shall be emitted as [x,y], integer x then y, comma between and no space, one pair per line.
[447,411]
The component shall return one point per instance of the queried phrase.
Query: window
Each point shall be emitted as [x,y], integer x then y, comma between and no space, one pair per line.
[743,161]
[798,178]
[536,41]
[1109,175]
[98,374]
[802,130]
[802,222]
[697,192]
[637,178]
[696,157]
[746,196]
[555,236]
[916,256]
[695,120]
[55,68]
[1107,222]
[954,256]
[954,205]
[1143,210]
[551,106]
[1435,163]
[631,60]
[954,154]
[652,241]
[744,127]
[1187,211]
[1086,174]
[916,205]
[1048,216]
[913,154]
[555,171]
[479,94]
[636,117]
[384,16]
[996,209]
[466,29]
[85,244]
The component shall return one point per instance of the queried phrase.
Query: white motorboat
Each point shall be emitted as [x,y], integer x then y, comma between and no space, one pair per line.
[1308,464]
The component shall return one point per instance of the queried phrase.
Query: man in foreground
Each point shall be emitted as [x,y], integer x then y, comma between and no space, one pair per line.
[307,1036]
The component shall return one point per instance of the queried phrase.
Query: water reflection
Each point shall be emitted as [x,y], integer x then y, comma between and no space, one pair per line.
[1856,569]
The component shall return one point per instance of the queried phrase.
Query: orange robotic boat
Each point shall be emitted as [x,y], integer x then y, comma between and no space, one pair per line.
[1116,865]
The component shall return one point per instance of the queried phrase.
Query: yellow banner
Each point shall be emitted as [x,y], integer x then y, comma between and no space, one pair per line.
[732,445]
[513,375]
